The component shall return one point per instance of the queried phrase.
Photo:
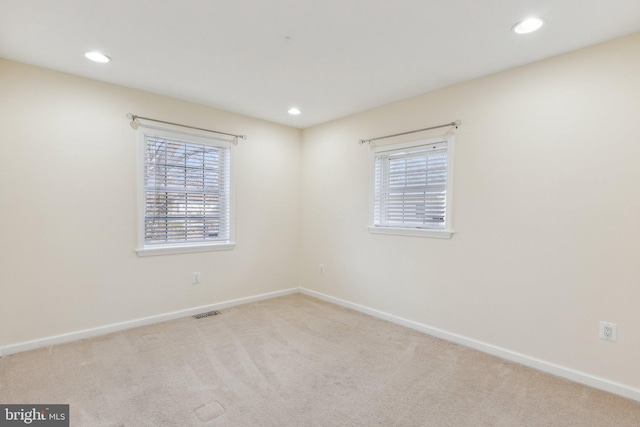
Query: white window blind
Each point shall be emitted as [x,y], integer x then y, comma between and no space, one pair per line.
[186,192]
[410,187]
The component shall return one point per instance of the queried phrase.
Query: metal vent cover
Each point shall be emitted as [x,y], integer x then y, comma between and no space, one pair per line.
[207,314]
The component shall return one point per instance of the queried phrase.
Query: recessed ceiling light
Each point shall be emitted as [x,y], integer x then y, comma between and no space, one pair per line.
[528,25]
[97,57]
[294,111]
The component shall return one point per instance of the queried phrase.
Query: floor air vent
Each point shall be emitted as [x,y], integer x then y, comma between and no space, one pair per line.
[207,314]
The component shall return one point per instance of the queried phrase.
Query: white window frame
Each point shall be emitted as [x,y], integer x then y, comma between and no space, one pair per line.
[194,136]
[445,233]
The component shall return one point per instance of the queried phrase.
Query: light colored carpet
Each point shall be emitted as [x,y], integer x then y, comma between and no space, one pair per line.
[296,361]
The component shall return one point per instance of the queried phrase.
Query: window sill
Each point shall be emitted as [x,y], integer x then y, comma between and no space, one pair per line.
[439,234]
[183,249]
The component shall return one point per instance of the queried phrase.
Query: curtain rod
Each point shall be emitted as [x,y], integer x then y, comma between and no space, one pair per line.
[134,117]
[456,124]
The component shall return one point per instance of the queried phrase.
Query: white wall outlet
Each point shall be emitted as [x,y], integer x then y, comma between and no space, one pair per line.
[608,331]
[321,269]
[196,278]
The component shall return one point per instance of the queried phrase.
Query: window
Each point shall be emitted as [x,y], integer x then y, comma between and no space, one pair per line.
[185,192]
[412,188]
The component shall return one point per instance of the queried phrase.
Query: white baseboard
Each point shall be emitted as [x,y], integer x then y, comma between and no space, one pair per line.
[107,329]
[541,365]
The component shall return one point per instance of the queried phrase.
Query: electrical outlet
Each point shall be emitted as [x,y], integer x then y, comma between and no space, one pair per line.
[321,269]
[195,279]
[608,331]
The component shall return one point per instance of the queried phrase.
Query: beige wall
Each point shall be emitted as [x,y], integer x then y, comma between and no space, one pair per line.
[546,209]
[68,209]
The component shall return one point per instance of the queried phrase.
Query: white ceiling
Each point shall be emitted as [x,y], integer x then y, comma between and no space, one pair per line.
[343,56]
